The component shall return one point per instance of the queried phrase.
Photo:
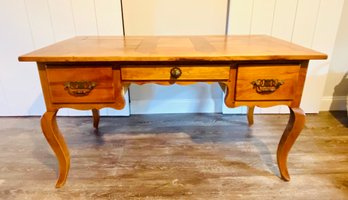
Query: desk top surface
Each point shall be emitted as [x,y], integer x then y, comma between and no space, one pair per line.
[171,48]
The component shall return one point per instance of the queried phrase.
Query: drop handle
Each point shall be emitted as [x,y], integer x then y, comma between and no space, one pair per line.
[175,72]
[79,88]
[266,86]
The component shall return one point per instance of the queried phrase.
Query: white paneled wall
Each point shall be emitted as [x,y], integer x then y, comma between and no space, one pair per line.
[18,82]
[62,19]
[311,23]
[284,19]
[262,17]
[323,40]
[336,87]
[31,24]
[240,25]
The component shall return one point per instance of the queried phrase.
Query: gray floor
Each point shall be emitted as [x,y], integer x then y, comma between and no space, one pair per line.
[180,156]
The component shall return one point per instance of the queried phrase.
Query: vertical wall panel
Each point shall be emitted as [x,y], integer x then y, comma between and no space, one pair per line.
[305,22]
[284,17]
[109,17]
[31,24]
[176,17]
[42,33]
[329,16]
[18,81]
[311,23]
[84,17]
[262,20]
[139,17]
[336,92]
[62,19]
[180,17]
[240,16]
[303,33]
[40,22]
[323,40]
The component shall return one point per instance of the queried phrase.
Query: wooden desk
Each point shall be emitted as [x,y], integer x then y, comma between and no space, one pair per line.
[93,73]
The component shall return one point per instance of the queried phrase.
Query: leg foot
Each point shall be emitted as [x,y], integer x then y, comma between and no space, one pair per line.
[96,118]
[291,132]
[58,145]
[250,115]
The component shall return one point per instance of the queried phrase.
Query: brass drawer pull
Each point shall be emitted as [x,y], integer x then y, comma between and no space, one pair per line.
[175,72]
[266,86]
[79,88]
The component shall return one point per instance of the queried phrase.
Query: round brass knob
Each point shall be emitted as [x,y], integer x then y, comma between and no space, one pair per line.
[175,72]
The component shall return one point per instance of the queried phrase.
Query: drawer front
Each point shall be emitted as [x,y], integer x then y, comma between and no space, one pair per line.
[267,82]
[190,72]
[80,84]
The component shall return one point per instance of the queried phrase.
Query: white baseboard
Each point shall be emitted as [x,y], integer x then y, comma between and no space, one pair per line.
[328,103]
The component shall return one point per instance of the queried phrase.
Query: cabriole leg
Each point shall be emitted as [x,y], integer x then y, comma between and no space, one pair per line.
[291,132]
[58,145]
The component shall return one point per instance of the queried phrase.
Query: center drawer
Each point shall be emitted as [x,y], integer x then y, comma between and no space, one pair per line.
[80,84]
[175,72]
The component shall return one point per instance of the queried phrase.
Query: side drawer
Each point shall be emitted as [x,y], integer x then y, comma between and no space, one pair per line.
[266,82]
[80,84]
[165,72]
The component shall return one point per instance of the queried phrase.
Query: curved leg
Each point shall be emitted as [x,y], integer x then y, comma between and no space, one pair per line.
[250,115]
[96,118]
[57,143]
[291,132]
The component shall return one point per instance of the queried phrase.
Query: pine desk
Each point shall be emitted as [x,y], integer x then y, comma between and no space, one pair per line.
[93,72]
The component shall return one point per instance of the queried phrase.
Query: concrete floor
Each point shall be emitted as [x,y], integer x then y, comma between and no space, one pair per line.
[178,156]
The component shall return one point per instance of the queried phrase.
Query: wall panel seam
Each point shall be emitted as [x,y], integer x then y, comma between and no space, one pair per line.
[73,16]
[251,17]
[96,18]
[316,23]
[227,17]
[273,16]
[294,22]
[29,23]
[51,21]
